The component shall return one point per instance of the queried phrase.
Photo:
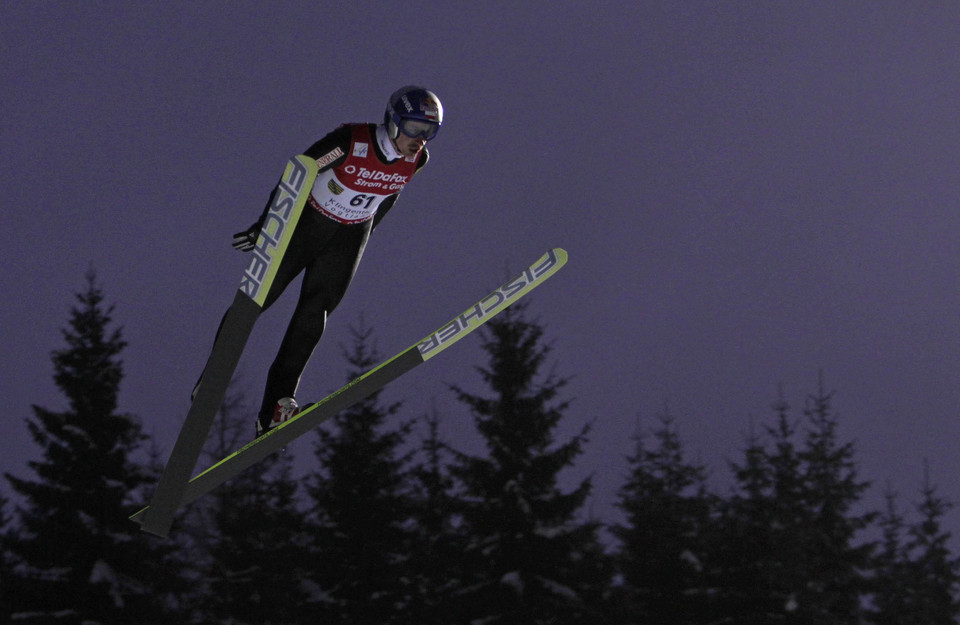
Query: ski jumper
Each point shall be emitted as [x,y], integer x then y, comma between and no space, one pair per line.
[359,179]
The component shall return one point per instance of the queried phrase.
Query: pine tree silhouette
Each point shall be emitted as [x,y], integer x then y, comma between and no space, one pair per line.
[934,572]
[791,551]
[664,559]
[359,510]
[79,559]
[435,565]
[250,532]
[529,559]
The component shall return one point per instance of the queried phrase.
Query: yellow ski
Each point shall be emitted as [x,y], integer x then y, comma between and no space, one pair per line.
[368,383]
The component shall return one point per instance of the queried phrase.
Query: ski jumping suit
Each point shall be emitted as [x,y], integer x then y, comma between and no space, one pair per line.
[356,186]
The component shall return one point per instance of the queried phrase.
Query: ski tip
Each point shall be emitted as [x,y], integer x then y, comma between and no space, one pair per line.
[550,263]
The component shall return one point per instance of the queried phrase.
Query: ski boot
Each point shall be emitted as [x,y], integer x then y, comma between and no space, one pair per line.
[285,410]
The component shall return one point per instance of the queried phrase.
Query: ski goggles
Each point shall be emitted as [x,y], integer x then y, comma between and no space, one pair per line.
[417,129]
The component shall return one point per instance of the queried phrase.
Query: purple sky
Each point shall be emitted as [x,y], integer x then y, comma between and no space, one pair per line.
[748,192]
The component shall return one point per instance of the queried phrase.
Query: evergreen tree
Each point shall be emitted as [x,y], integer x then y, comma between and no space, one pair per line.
[6,563]
[435,558]
[757,552]
[78,558]
[837,560]
[663,559]
[250,532]
[360,511]
[892,578]
[933,571]
[791,549]
[916,576]
[529,559]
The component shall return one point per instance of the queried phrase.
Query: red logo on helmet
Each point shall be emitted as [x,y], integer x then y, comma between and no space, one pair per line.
[430,109]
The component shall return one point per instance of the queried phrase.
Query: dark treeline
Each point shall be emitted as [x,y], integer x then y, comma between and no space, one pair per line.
[394,525]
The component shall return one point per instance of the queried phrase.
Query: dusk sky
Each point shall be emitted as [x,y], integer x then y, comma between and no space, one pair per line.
[749,193]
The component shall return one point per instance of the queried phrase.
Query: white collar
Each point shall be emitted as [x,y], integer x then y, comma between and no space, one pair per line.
[386,145]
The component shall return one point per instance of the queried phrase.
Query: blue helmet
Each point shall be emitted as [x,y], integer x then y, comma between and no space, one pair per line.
[414,111]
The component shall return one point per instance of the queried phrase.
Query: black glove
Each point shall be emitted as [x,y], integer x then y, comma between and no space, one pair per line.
[246,240]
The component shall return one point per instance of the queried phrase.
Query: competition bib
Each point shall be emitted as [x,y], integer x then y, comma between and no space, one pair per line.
[352,192]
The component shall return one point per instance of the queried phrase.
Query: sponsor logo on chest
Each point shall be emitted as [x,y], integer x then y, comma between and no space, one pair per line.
[360,177]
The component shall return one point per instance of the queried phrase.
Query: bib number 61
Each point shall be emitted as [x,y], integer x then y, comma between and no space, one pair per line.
[363,199]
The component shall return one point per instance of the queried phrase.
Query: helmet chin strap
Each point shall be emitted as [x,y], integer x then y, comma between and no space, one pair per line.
[387,145]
